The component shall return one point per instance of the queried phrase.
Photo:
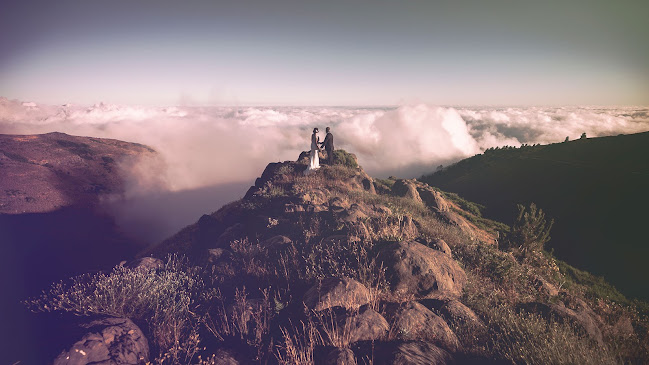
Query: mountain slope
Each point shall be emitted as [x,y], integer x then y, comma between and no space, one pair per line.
[595,189]
[336,267]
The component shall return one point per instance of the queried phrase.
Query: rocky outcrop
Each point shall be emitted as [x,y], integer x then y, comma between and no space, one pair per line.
[414,270]
[109,341]
[334,292]
[413,321]
[433,198]
[406,189]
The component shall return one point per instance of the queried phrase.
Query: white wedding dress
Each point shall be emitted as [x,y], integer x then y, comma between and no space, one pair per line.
[314,161]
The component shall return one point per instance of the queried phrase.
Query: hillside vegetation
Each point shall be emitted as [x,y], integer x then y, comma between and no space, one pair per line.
[595,189]
[335,267]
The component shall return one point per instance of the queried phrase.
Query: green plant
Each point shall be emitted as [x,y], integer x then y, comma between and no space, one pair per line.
[345,158]
[530,231]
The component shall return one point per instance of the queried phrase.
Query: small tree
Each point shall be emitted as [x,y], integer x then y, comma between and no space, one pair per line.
[567,139]
[583,136]
[530,231]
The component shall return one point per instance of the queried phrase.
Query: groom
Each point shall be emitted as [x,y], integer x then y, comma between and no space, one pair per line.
[328,145]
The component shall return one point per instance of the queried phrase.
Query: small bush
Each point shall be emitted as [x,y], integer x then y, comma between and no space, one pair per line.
[345,158]
[530,231]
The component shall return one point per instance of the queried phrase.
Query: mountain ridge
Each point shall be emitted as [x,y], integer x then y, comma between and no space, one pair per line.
[594,188]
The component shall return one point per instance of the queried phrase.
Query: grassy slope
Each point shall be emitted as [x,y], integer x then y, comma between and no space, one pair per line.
[595,189]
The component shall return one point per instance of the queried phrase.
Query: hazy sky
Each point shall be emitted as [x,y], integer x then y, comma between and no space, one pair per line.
[336,52]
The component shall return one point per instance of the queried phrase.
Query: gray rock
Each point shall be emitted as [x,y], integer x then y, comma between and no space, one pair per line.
[109,341]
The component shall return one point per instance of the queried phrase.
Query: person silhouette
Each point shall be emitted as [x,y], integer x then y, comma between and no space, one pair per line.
[328,145]
[314,159]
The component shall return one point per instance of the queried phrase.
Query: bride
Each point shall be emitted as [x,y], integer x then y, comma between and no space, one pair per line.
[314,162]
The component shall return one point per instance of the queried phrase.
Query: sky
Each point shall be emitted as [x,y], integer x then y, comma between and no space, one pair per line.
[360,53]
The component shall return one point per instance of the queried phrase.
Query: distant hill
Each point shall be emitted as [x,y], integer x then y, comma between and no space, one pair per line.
[596,189]
[42,173]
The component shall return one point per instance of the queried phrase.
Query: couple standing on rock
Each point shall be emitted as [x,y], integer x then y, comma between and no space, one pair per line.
[328,144]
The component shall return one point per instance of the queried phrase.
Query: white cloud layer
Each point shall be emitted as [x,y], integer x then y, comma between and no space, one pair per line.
[211,154]
[206,146]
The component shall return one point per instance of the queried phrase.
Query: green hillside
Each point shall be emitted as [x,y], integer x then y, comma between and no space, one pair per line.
[596,190]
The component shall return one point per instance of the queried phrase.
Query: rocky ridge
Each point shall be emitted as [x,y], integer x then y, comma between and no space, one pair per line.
[335,267]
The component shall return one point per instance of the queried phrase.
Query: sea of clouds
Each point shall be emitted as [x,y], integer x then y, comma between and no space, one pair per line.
[207,147]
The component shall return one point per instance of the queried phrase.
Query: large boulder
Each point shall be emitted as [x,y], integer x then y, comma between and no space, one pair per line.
[433,199]
[413,321]
[109,341]
[415,270]
[457,313]
[334,292]
[365,325]
[411,353]
[406,189]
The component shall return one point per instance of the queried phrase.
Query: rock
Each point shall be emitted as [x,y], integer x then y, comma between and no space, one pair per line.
[411,353]
[366,325]
[383,210]
[215,255]
[413,321]
[276,242]
[407,189]
[441,245]
[232,233]
[353,214]
[339,356]
[545,287]
[456,312]
[415,270]
[333,292]
[109,341]
[582,317]
[209,229]
[147,263]
[433,199]
[336,205]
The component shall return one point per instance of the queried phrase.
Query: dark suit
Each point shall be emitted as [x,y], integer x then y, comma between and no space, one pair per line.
[328,144]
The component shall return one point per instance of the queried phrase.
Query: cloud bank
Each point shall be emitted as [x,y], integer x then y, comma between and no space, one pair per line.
[205,147]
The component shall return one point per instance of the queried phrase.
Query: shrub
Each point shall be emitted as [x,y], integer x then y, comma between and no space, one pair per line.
[345,158]
[530,231]
[165,299]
